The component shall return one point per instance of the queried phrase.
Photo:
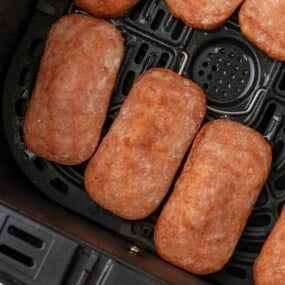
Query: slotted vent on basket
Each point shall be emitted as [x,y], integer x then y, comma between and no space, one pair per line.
[154,17]
[280,83]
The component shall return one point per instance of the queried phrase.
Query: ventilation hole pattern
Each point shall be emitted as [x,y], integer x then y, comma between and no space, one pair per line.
[154,16]
[280,83]
[128,82]
[163,60]
[280,183]
[135,13]
[266,118]
[224,70]
[262,199]
[249,246]
[259,220]
[16,255]
[71,173]
[278,148]
[142,51]
[26,237]
[278,155]
[157,20]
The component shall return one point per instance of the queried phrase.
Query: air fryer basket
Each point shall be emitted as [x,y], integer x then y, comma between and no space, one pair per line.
[240,82]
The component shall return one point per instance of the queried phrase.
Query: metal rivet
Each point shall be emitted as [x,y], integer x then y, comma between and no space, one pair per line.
[134,250]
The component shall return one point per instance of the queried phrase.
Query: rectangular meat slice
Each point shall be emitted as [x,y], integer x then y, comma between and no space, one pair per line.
[202,221]
[70,99]
[135,164]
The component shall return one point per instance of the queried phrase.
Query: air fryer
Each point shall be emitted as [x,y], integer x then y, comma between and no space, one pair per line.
[51,231]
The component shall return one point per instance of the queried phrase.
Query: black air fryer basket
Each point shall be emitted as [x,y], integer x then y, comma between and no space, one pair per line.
[241,83]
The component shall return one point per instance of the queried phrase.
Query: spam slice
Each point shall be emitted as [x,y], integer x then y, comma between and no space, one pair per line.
[263,23]
[269,266]
[203,14]
[213,197]
[76,78]
[132,169]
[106,8]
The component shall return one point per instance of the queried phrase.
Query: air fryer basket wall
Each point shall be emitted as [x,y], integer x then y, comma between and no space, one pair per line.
[240,82]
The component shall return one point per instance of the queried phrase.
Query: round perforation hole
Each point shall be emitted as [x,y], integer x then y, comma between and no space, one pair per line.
[225,70]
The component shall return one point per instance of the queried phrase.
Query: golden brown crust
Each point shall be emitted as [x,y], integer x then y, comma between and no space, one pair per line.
[132,169]
[269,266]
[106,8]
[75,81]
[203,14]
[204,217]
[263,23]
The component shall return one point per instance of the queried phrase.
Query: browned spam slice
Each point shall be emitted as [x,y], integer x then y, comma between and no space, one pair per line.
[205,215]
[203,14]
[106,8]
[132,169]
[76,78]
[269,266]
[263,23]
